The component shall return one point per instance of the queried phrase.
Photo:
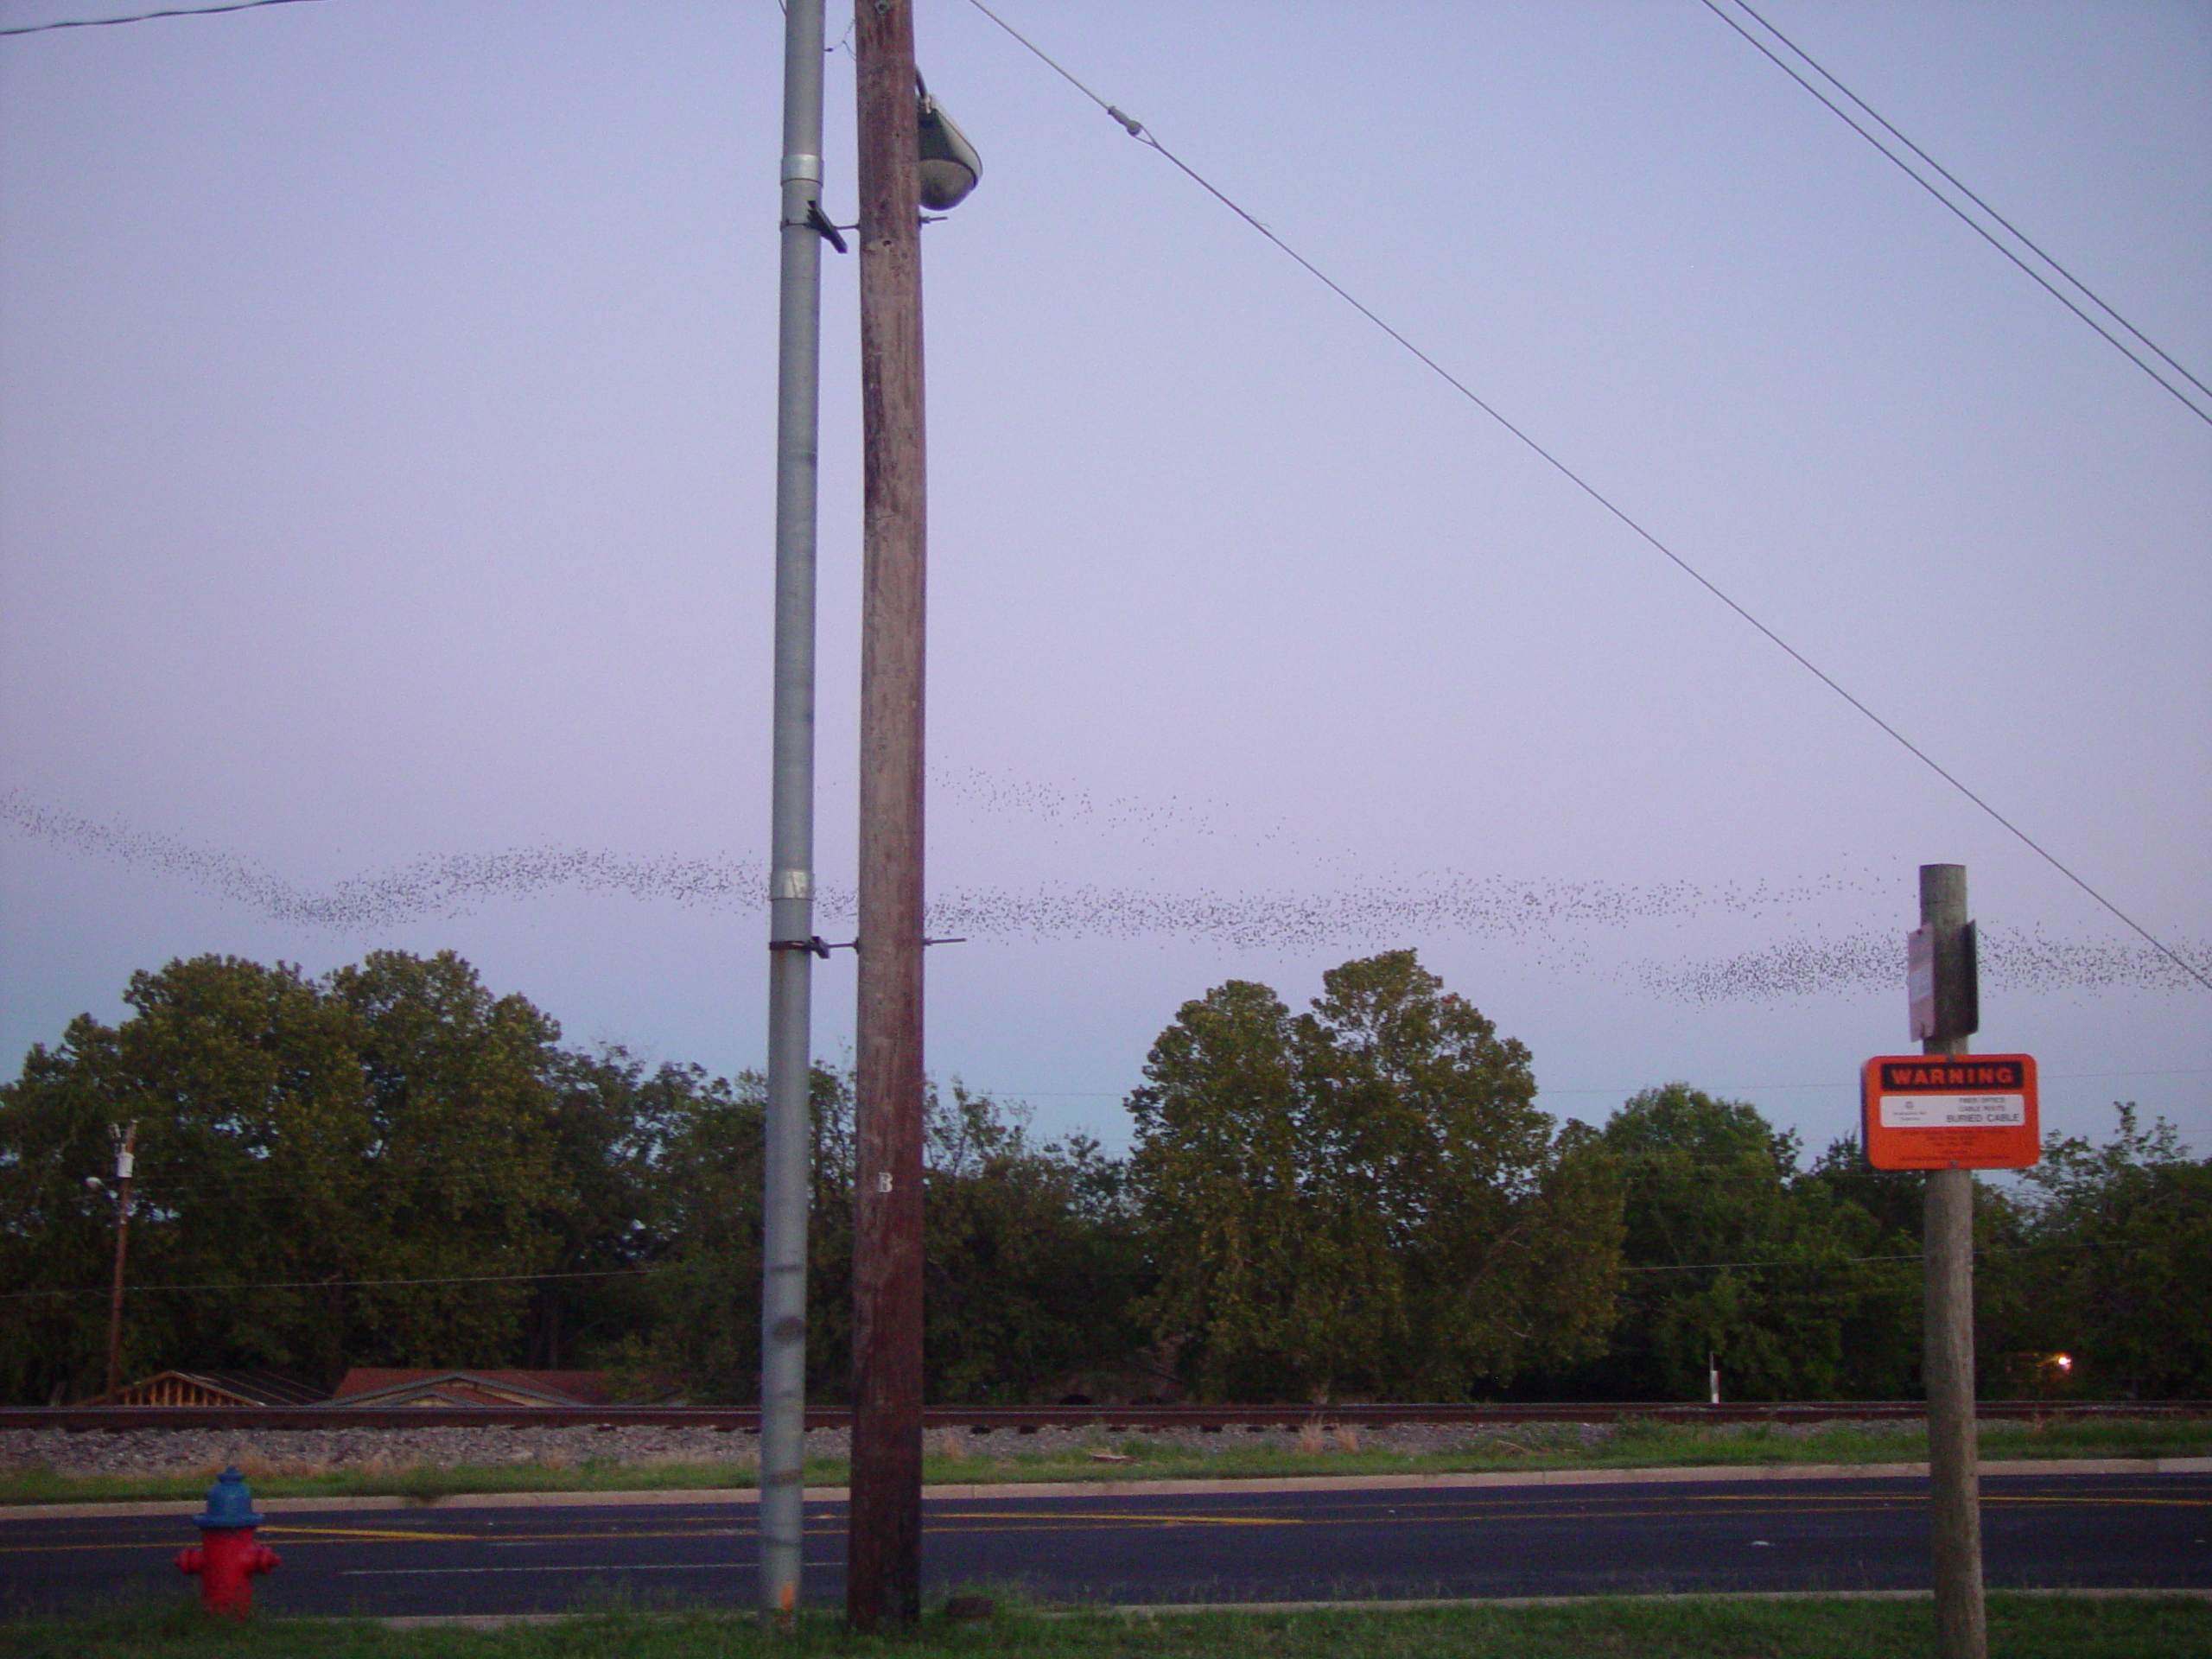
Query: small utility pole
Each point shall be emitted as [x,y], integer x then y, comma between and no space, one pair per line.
[126,1161]
[790,879]
[884,1546]
[1953,1457]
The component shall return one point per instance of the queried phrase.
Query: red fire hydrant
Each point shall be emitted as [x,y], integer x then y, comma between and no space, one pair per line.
[227,1557]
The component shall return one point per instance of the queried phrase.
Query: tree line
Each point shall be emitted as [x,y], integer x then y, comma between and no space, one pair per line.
[389,1165]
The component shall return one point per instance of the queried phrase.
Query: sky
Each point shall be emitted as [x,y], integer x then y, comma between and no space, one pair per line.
[386,462]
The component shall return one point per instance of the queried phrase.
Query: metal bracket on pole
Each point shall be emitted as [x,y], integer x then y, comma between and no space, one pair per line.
[821,947]
[818,220]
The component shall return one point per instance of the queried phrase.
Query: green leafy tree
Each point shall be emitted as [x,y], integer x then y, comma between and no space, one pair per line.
[1366,1196]
[612,1203]
[253,1146]
[368,1158]
[56,1235]
[1880,1213]
[1733,1253]
[460,1160]
[1031,1257]
[1029,1254]
[707,1294]
[2112,1263]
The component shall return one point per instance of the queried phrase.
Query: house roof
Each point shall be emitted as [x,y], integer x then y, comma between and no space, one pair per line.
[214,1388]
[384,1386]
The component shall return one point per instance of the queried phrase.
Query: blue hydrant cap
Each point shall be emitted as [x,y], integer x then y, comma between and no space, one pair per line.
[229,1503]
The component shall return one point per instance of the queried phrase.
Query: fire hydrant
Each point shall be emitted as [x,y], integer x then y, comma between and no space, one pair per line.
[227,1557]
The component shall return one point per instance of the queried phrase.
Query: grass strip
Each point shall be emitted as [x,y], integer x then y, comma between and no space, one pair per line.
[2020,1628]
[956,1459]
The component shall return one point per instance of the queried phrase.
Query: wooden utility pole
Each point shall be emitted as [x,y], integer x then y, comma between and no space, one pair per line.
[126,1161]
[883,1540]
[1954,1457]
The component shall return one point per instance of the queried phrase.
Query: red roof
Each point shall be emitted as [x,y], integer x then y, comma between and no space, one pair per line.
[579,1388]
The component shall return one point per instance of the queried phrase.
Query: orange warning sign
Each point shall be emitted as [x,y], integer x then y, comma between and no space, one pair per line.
[1950,1111]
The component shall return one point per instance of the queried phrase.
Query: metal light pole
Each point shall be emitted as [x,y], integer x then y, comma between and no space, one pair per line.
[790,880]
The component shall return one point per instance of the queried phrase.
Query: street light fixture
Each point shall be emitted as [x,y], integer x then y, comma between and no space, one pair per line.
[950,167]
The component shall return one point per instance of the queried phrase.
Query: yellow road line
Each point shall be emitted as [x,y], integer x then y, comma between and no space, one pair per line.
[1679,1506]
[315,1534]
[1164,1518]
[2105,1503]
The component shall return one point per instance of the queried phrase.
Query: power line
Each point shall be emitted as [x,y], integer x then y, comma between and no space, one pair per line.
[344,1284]
[1852,1083]
[146,16]
[1916,1256]
[1137,130]
[1728,1267]
[645,1273]
[1965,218]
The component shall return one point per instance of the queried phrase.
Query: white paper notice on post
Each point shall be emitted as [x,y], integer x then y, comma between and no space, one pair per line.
[1953,1111]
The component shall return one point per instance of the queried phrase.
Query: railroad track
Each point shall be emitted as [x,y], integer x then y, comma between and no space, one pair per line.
[1114,1419]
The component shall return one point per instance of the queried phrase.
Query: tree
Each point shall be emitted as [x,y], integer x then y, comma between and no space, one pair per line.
[55,1235]
[1366,1196]
[1881,1212]
[1029,1254]
[2113,1263]
[358,1170]
[251,1154]
[707,1294]
[460,1100]
[1031,1259]
[614,1203]
[390,1165]
[1733,1252]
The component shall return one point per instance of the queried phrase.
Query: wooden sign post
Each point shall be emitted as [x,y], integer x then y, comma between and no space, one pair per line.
[1949,1113]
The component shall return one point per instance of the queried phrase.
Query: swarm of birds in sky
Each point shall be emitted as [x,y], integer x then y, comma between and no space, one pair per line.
[1561,924]
[2010,959]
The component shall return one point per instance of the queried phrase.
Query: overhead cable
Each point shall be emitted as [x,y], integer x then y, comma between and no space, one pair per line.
[1137,130]
[650,1272]
[340,1284]
[1965,218]
[2042,1247]
[146,16]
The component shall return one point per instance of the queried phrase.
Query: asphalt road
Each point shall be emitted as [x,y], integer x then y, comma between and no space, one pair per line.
[2039,1531]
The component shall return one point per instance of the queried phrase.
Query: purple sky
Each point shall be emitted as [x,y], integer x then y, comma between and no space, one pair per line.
[386,407]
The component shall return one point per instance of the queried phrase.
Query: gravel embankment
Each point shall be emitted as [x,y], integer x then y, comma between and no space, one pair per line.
[299,1452]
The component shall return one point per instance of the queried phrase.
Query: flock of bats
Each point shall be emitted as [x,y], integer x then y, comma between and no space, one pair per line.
[1555,923]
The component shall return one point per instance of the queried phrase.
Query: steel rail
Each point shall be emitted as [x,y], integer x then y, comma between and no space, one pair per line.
[1029,1419]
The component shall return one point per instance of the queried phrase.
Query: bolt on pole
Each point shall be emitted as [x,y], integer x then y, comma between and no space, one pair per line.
[1954,1467]
[786,1175]
[883,1562]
